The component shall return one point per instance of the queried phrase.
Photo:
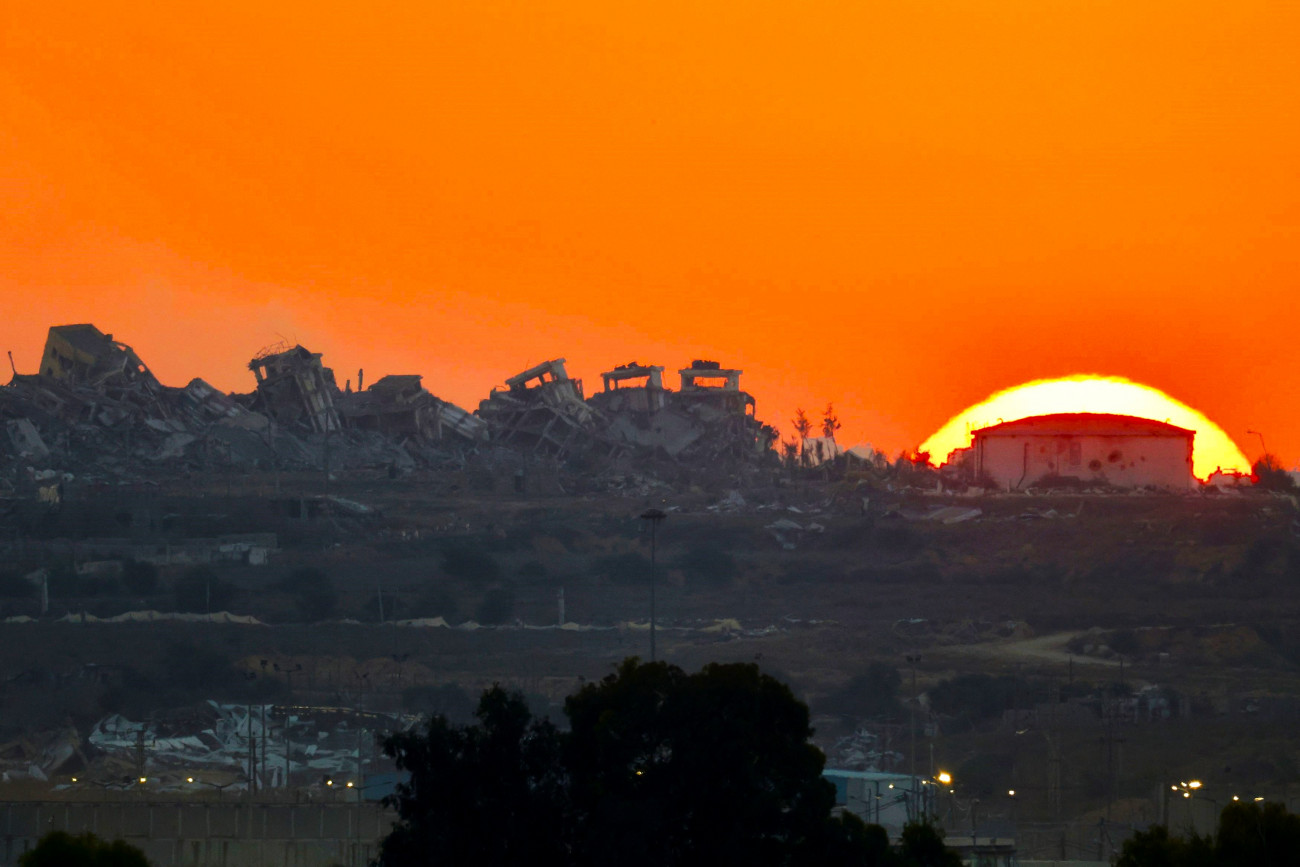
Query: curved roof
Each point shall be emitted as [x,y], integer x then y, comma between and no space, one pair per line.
[1095,424]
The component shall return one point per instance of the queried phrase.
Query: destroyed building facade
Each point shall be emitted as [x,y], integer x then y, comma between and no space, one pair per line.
[294,388]
[542,410]
[709,417]
[95,412]
[399,406]
[84,355]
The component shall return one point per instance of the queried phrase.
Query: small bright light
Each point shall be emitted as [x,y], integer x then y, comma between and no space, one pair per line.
[1011,792]
[639,773]
[349,784]
[1194,784]
[189,779]
[1187,794]
[1236,798]
[891,785]
[329,782]
[74,779]
[1259,799]
[945,777]
[144,780]
[1173,788]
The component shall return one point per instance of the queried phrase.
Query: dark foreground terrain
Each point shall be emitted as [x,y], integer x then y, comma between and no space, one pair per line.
[1085,650]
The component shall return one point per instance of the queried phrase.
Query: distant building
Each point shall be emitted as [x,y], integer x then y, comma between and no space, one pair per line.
[889,800]
[1119,450]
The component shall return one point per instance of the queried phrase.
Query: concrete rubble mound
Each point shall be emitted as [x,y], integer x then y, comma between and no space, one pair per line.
[213,740]
[95,411]
[543,411]
[709,418]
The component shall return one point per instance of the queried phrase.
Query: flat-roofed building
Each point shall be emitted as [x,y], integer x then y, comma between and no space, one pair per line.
[1121,450]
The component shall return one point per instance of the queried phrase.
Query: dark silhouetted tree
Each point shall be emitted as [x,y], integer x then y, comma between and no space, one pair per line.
[803,427]
[659,767]
[872,694]
[497,607]
[313,592]
[669,768]
[1249,835]
[1271,475]
[485,794]
[922,846]
[58,849]
[830,421]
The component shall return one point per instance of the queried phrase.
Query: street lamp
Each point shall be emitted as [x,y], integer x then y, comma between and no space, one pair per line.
[1261,441]
[654,516]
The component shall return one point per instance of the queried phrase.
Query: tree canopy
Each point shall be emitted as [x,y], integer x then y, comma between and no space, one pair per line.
[1249,835]
[59,849]
[659,767]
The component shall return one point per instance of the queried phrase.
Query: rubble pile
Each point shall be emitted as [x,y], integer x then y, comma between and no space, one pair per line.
[94,409]
[543,411]
[709,419]
[213,741]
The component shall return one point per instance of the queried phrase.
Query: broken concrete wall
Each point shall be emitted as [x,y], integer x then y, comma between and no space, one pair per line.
[294,389]
[542,410]
[400,407]
[84,355]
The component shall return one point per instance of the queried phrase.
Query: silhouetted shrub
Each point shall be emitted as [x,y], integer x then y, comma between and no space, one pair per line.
[200,590]
[468,560]
[534,570]
[434,601]
[626,568]
[872,694]
[139,578]
[981,696]
[14,586]
[497,607]
[895,538]
[708,565]
[448,700]
[313,591]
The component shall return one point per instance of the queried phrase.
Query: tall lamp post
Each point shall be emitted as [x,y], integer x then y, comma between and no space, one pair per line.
[654,516]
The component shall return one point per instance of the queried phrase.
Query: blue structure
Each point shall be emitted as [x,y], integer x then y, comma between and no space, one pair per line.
[888,800]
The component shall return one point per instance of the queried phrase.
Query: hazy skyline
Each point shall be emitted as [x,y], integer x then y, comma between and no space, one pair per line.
[902,209]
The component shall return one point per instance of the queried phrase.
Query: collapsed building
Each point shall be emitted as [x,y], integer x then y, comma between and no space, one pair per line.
[710,417]
[543,411]
[95,408]
[399,406]
[294,388]
[95,412]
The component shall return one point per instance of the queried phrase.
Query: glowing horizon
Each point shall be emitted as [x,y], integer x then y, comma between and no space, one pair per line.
[1086,393]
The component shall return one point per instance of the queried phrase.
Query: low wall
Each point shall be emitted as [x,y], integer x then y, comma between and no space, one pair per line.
[209,835]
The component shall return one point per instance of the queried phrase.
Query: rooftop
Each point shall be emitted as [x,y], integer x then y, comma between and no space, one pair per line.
[1084,424]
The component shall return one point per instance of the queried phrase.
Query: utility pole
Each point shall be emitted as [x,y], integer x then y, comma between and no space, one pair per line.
[252,756]
[912,660]
[264,743]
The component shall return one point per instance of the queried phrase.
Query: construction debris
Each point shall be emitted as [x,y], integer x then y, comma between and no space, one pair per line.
[96,412]
[398,406]
[294,388]
[543,411]
[699,422]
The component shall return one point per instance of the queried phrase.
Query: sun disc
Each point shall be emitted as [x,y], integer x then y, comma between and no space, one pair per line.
[1213,448]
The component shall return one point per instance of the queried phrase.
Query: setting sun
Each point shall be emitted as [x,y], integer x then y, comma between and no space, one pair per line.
[1214,449]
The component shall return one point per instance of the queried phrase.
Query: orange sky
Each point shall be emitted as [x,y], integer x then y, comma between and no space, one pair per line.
[898,206]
